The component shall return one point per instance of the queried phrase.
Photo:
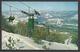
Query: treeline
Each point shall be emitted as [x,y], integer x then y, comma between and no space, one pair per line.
[40,33]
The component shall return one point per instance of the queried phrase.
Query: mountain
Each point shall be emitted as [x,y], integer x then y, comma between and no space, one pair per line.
[67,16]
[73,19]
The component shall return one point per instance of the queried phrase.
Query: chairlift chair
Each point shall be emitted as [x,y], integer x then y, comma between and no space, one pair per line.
[11,18]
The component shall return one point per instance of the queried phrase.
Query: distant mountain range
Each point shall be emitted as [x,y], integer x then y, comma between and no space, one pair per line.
[67,16]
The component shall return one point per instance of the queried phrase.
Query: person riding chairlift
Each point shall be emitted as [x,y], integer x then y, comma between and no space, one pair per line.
[11,18]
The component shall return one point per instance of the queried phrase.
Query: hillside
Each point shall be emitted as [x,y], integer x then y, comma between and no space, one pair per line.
[29,44]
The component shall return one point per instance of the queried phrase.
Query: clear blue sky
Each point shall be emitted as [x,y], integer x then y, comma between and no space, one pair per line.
[55,6]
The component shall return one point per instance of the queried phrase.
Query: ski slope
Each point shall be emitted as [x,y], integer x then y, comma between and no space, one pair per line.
[27,43]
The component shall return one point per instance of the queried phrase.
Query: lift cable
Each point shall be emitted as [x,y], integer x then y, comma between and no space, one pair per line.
[10,10]
[11,18]
[36,12]
[14,7]
[27,5]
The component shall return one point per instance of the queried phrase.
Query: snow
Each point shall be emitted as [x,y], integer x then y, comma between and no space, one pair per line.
[60,46]
[57,21]
[24,43]
[40,25]
[27,43]
[75,17]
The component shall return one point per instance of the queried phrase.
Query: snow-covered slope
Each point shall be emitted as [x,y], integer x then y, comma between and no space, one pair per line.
[60,46]
[26,43]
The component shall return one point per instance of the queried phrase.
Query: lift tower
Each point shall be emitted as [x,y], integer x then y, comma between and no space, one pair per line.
[31,22]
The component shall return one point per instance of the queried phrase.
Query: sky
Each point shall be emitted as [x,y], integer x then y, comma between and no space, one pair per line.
[55,6]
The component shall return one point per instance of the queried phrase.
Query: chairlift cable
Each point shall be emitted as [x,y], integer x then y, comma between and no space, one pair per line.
[13,7]
[31,8]
[27,5]
[11,18]
[10,11]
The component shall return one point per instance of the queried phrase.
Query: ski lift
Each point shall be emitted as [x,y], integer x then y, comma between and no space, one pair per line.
[11,18]
[36,12]
[29,14]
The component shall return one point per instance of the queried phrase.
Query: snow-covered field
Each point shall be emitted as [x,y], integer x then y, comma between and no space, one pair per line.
[26,43]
